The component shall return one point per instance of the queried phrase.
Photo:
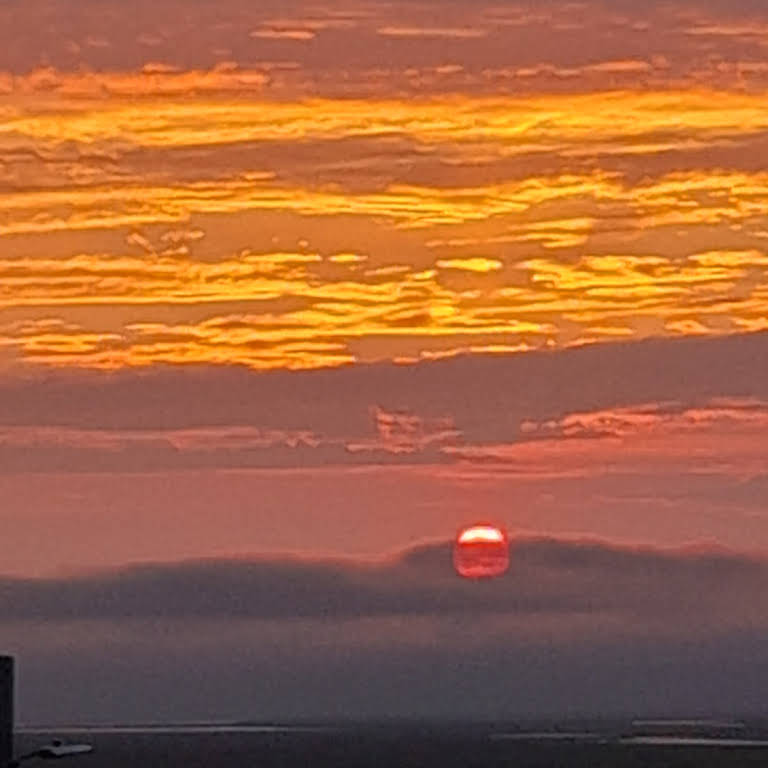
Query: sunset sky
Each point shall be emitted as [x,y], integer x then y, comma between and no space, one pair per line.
[291,290]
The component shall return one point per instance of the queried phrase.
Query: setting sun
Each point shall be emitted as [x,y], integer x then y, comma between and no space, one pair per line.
[481,533]
[481,552]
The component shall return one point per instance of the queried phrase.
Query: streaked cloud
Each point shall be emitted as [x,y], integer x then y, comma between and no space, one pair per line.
[475,301]
[544,120]
[477,264]
[277,33]
[539,191]
[450,33]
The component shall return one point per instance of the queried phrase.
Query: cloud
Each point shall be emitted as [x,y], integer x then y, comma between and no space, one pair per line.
[477,264]
[621,66]
[664,591]
[450,33]
[352,41]
[576,625]
[270,33]
[550,281]
[666,419]
[544,191]
[657,438]
[337,403]
[585,118]
[152,80]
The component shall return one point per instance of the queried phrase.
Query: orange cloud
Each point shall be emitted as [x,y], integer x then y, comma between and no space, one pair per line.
[271,33]
[450,33]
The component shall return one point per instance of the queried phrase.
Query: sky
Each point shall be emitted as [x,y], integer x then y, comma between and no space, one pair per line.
[290,291]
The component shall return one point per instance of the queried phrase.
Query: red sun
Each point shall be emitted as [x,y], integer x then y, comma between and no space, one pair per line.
[481,552]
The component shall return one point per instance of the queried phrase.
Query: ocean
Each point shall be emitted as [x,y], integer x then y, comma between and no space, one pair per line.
[393,745]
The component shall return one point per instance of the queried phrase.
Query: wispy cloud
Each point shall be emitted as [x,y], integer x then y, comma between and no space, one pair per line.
[450,33]
[272,33]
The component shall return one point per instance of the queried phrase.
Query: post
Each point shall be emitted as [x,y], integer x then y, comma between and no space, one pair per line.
[6,710]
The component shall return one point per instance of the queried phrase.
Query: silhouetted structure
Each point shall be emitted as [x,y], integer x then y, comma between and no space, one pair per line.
[6,710]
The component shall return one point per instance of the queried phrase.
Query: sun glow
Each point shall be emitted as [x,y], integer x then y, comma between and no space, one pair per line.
[481,552]
[481,534]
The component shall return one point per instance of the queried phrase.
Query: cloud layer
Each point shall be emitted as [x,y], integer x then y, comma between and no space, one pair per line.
[617,618]
[667,590]
[292,203]
[635,393]
[660,442]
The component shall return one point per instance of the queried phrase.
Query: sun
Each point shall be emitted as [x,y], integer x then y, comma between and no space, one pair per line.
[481,552]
